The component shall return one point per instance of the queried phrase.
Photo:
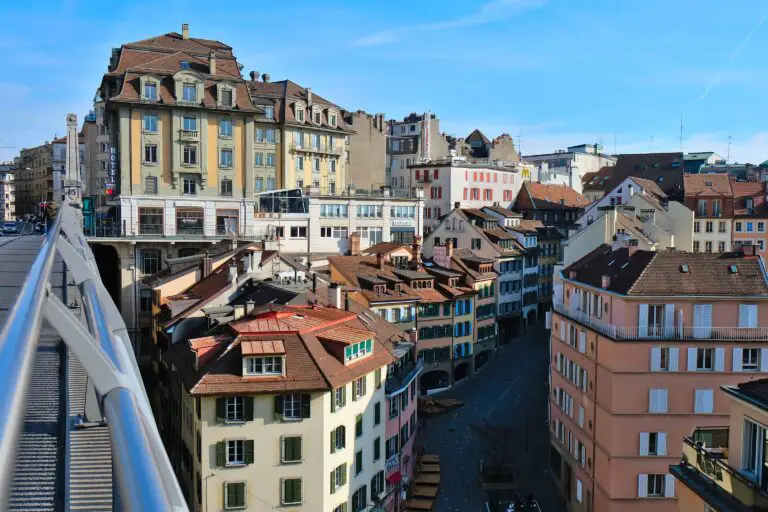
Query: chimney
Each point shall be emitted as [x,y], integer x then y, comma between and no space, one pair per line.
[249,307]
[379,261]
[239,311]
[334,295]
[605,283]
[354,243]
[232,273]
[265,77]
[449,248]
[185,31]
[309,96]
[346,301]
[212,63]
[632,246]
[457,204]
[254,76]
[416,260]
[413,335]
[207,266]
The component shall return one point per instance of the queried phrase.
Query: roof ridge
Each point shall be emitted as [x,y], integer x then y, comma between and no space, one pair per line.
[640,275]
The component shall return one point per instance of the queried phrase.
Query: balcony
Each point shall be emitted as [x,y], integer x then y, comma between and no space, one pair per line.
[322,149]
[151,229]
[707,473]
[189,134]
[402,377]
[675,332]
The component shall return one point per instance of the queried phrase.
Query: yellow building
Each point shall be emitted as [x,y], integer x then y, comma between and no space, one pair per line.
[726,468]
[314,153]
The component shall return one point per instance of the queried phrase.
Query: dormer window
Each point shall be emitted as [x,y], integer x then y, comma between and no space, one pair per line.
[358,350]
[226,97]
[263,358]
[150,91]
[189,92]
[299,113]
[267,365]
[379,289]
[332,120]
[453,281]
[317,117]
[269,112]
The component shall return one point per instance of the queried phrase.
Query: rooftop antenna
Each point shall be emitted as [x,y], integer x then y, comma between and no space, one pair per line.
[681,132]
[520,142]
[614,143]
[728,157]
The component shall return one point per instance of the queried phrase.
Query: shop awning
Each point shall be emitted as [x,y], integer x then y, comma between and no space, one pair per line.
[394,478]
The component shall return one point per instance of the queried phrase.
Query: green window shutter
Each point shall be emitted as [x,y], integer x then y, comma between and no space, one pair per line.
[377,378]
[358,425]
[377,413]
[343,434]
[305,409]
[376,448]
[344,395]
[297,489]
[344,474]
[354,390]
[278,405]
[221,453]
[365,382]
[333,400]
[231,493]
[297,448]
[333,481]
[249,451]
[248,407]
[369,346]
[221,408]
[333,441]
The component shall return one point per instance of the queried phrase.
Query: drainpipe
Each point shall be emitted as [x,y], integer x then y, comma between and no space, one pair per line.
[453,338]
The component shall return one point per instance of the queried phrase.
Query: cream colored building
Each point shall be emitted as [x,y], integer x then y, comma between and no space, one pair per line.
[7,192]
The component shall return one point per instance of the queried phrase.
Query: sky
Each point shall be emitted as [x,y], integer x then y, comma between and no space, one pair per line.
[551,73]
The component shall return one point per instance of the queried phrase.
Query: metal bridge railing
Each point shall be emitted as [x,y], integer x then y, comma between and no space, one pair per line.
[143,478]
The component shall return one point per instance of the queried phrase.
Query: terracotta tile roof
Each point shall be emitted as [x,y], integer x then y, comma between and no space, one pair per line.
[649,273]
[539,196]
[384,248]
[749,189]
[665,169]
[506,212]
[345,335]
[650,187]
[479,214]
[707,185]
[294,319]
[258,347]
[499,234]
[351,267]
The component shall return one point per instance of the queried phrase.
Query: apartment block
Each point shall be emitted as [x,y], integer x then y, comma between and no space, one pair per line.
[416,138]
[724,468]
[710,197]
[7,191]
[750,215]
[568,167]
[641,343]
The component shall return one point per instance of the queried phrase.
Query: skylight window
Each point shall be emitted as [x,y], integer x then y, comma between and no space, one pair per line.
[184,64]
[684,268]
[734,269]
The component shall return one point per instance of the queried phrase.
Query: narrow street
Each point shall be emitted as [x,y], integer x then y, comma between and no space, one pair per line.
[509,392]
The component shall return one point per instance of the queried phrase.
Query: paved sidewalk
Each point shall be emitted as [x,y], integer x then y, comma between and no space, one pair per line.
[511,392]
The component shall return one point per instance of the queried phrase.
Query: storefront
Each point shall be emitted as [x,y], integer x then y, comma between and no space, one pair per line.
[189,221]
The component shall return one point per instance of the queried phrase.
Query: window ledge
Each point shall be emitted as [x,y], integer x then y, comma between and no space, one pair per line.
[228,137]
[290,420]
[298,503]
[152,164]
[232,422]
[235,465]
[291,462]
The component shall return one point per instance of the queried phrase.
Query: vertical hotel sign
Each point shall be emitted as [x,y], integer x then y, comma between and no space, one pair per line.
[111,185]
[425,135]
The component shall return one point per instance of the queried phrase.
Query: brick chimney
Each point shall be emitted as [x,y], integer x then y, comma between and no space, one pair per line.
[605,283]
[212,63]
[632,246]
[413,335]
[184,31]
[309,96]
[416,260]
[449,248]
[380,261]
[334,295]
[354,243]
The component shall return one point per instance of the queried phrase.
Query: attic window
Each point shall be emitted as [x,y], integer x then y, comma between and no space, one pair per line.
[709,183]
[379,289]
[733,269]
[184,64]
[684,268]
[453,281]
[357,350]
[625,265]
[266,365]
[660,179]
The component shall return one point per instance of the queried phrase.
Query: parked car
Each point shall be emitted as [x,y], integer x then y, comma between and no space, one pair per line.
[10,227]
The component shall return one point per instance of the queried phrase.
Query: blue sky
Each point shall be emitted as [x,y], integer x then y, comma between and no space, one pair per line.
[556,72]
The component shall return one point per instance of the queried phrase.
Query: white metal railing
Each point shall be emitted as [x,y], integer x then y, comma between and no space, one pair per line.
[661,332]
[143,476]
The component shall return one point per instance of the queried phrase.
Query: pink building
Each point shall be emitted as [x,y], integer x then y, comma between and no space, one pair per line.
[401,388]
[641,343]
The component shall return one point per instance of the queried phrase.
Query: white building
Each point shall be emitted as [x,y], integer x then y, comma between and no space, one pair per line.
[417,137]
[7,192]
[463,181]
[527,236]
[569,166]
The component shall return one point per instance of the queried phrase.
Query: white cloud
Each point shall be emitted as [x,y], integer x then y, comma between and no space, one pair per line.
[490,12]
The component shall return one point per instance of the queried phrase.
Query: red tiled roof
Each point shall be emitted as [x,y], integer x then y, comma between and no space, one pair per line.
[345,335]
[538,196]
[665,169]
[258,347]
[707,185]
[742,190]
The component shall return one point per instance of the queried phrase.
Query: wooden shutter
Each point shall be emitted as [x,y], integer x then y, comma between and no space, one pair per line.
[333,400]
[719,359]
[642,320]
[674,355]
[343,395]
[669,486]
[343,434]
[248,451]
[642,486]
[653,400]
[221,409]
[663,400]
[738,357]
[743,315]
[581,416]
[692,359]
[248,408]
[364,382]
[344,474]
[354,390]
[377,378]
[221,453]
[333,481]
[643,443]
[333,441]
[278,405]
[582,341]
[655,359]
[669,320]
[305,399]
[661,443]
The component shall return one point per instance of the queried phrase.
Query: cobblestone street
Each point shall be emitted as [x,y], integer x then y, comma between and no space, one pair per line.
[509,392]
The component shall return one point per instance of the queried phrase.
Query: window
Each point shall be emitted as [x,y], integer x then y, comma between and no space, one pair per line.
[720,246]
[151,219]
[258,159]
[708,246]
[695,246]
[298,232]
[579,491]
[270,160]
[315,165]
[189,92]
[705,359]
[189,124]
[190,186]
[738,227]
[338,477]
[359,497]
[190,155]
[358,462]
[300,163]
[709,226]
[225,159]
[150,91]
[225,128]
[377,449]
[657,400]
[702,208]
[150,261]
[747,315]
[300,114]
[653,443]
[746,359]
[236,453]
[338,438]
[270,135]
[291,449]
[150,153]
[358,388]
[226,187]
[377,414]
[703,401]
[291,491]
[226,97]
[377,486]
[292,406]
[753,452]
[656,486]
[234,495]
[339,398]
[267,365]
[664,359]
[150,124]
[269,112]
[761,227]
[234,409]
[332,119]
[721,226]
[356,350]
[750,227]
[317,117]
[696,227]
